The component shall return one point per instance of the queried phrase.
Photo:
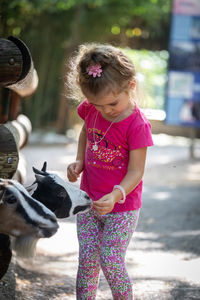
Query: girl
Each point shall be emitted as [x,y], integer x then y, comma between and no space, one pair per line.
[111,156]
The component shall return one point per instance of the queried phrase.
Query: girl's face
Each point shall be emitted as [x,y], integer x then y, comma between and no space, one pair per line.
[110,105]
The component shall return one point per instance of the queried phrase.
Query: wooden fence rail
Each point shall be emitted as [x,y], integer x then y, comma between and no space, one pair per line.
[18,79]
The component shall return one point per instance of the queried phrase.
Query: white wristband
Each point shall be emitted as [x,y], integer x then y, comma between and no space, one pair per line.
[119,187]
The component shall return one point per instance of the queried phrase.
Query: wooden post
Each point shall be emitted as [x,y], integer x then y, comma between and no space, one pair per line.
[15,100]
[4,104]
[18,78]
[13,136]
[16,67]
[11,62]
[9,156]
[192,142]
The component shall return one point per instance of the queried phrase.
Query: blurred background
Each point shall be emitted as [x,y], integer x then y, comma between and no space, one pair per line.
[162,38]
[53,29]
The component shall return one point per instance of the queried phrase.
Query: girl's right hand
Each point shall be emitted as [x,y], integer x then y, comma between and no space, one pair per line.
[74,170]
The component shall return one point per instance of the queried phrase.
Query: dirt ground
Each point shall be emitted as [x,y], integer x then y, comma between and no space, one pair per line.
[163,256]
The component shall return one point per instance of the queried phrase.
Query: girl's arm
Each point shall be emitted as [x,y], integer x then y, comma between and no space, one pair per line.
[82,144]
[136,166]
[74,169]
[133,177]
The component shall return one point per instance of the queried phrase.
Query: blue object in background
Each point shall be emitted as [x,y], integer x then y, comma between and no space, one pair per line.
[183,89]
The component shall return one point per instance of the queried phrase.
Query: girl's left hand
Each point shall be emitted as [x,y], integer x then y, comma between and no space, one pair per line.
[105,204]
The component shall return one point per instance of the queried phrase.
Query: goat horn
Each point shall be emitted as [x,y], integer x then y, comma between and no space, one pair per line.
[44,168]
[36,171]
[2,192]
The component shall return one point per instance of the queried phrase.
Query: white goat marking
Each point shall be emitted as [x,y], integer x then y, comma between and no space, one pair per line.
[31,188]
[25,246]
[16,232]
[74,193]
[31,212]
[24,217]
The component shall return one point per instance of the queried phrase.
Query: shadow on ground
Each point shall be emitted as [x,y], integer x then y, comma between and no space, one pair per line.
[37,285]
[171,215]
[163,256]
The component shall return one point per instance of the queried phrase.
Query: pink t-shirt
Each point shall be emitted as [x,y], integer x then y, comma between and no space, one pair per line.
[107,166]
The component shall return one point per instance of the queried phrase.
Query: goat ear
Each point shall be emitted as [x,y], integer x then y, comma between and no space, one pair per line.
[39,178]
[31,188]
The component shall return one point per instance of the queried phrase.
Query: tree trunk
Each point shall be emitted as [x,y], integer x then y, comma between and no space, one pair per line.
[63,112]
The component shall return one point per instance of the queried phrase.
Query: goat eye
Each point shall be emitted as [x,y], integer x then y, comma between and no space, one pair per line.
[11,199]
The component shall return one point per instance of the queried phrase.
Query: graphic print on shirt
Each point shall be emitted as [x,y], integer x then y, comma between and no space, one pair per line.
[107,153]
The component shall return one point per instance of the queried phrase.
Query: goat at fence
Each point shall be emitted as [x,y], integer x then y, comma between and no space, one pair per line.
[61,197]
[24,218]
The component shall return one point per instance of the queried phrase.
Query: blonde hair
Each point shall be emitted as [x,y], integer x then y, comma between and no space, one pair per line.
[117,71]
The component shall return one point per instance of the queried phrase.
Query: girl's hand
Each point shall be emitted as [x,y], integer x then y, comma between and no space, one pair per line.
[106,204]
[74,170]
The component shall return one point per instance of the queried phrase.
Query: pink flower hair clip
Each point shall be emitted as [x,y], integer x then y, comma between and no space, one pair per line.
[94,70]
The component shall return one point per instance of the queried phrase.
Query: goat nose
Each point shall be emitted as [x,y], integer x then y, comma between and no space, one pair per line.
[88,198]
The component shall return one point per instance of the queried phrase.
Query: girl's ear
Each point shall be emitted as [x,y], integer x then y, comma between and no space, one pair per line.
[132,84]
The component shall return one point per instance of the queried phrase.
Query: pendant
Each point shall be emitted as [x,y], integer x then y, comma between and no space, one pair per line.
[95,147]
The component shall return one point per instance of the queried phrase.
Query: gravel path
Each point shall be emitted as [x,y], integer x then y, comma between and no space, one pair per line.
[163,257]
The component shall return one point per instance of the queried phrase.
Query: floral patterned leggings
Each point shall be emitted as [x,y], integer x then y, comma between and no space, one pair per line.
[103,241]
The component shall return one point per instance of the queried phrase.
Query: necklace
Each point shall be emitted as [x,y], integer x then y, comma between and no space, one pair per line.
[95,145]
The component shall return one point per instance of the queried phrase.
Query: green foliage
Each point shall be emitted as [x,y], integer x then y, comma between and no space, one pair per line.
[16,15]
[52,29]
[151,70]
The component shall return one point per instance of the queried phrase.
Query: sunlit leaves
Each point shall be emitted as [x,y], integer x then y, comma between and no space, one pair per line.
[134,32]
[16,31]
[56,27]
[138,18]
[115,29]
[151,70]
